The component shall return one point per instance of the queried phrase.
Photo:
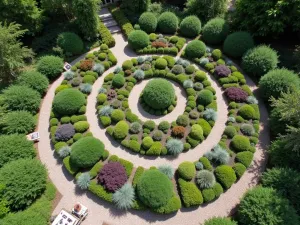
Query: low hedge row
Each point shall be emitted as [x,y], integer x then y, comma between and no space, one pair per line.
[106,36]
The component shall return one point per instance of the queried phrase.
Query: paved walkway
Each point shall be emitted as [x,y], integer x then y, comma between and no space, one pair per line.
[101,211]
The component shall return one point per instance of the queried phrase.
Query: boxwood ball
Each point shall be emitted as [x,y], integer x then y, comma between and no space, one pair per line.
[159,94]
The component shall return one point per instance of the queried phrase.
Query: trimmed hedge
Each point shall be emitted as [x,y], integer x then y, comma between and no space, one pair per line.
[245,158]
[238,43]
[50,66]
[195,49]
[190,26]
[105,35]
[148,22]
[70,43]
[187,170]
[190,194]
[138,39]
[167,23]
[205,97]
[219,221]
[121,129]
[225,176]
[215,31]
[240,143]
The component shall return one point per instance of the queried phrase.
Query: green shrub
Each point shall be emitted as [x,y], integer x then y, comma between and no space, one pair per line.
[218,189]
[240,143]
[167,23]
[148,22]
[121,130]
[195,49]
[147,143]
[155,149]
[205,127]
[21,122]
[21,98]
[225,176]
[208,195]
[167,170]
[260,60]
[118,81]
[164,126]
[173,205]
[182,120]
[239,169]
[278,81]
[154,189]
[247,112]
[245,158]
[70,43]
[230,131]
[196,132]
[101,98]
[138,39]
[266,206]
[186,170]
[50,66]
[34,80]
[24,180]
[219,221]
[190,194]
[205,97]
[86,152]
[95,169]
[206,164]
[161,63]
[215,31]
[127,65]
[117,115]
[138,173]
[159,94]
[247,129]
[68,102]
[105,35]
[190,26]
[81,126]
[100,191]
[238,43]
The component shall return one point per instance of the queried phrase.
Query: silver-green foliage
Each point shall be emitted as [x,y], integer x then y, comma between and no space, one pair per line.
[188,84]
[218,155]
[84,181]
[102,90]
[64,151]
[68,75]
[139,74]
[167,170]
[174,146]
[99,68]
[135,127]
[205,179]
[210,114]
[118,69]
[247,129]
[124,197]
[252,100]
[86,88]
[105,110]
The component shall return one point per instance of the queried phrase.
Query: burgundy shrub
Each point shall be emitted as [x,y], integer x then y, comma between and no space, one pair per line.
[64,132]
[236,94]
[222,71]
[113,176]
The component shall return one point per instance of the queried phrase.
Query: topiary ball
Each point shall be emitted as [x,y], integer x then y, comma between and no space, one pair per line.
[260,60]
[159,94]
[70,43]
[86,152]
[34,80]
[187,170]
[190,26]
[195,49]
[225,176]
[161,63]
[240,143]
[148,22]
[168,23]
[154,189]
[236,44]
[205,97]
[118,81]
[68,102]
[138,39]
[50,66]
[278,81]
[215,31]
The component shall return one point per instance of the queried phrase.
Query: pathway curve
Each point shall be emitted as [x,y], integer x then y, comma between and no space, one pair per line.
[101,211]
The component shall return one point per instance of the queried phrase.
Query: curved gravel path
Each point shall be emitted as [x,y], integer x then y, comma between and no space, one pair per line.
[101,211]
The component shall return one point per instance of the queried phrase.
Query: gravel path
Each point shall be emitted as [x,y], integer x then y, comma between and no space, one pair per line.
[100,211]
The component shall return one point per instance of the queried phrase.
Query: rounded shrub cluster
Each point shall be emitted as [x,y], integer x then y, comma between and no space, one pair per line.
[247,112]
[161,63]
[34,80]
[186,170]
[195,49]
[70,43]
[86,152]
[222,71]
[236,94]
[168,23]
[112,176]
[159,94]
[205,179]
[154,188]
[190,26]
[148,22]
[278,81]
[118,81]
[21,122]
[215,31]
[64,132]
[240,143]
[68,102]
[121,130]
[225,176]
[205,97]
[238,43]
[138,39]
[50,66]
[260,60]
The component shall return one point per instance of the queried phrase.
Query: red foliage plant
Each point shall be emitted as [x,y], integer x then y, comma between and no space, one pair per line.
[178,131]
[236,94]
[159,44]
[113,176]
[222,71]
[86,65]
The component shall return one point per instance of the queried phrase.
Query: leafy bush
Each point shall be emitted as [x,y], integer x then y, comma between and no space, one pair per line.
[177,69]
[173,205]
[118,81]
[265,206]
[218,155]
[105,111]
[215,31]
[124,197]
[174,146]
[50,66]
[186,170]
[190,194]
[83,181]
[205,179]
[260,60]
[247,129]
[245,158]
[81,126]
[105,35]
[21,122]
[182,120]
[117,115]
[138,39]
[190,26]
[64,132]
[239,169]
[112,176]
[210,114]
[154,189]
[230,131]
[159,94]
[240,143]
[238,43]
[121,130]
[196,132]
[205,97]
[167,170]
[147,142]
[21,98]
[195,49]
[34,80]
[70,43]
[236,94]
[161,63]
[14,147]
[278,81]
[219,221]
[86,152]
[148,22]
[64,151]
[225,176]
[168,23]
[178,131]
[157,135]
[163,126]
[135,127]
[247,112]
[25,181]
[208,194]
[222,71]
[68,102]
[139,74]
[205,127]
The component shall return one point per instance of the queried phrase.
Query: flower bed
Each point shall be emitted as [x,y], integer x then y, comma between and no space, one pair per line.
[148,138]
